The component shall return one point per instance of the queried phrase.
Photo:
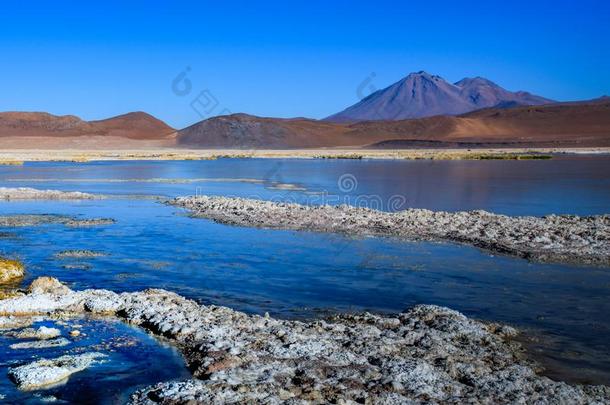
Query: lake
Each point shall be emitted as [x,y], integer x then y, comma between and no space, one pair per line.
[563,309]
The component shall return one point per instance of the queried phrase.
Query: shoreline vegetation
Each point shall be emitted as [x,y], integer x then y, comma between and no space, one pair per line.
[20,156]
[426,354]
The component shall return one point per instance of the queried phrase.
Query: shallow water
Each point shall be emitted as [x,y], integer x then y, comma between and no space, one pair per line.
[135,360]
[304,275]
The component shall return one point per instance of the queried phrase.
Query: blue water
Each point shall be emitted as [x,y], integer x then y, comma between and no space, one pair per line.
[564,185]
[135,360]
[307,275]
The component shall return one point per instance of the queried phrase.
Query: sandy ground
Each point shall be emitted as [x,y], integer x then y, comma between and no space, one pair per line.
[18,156]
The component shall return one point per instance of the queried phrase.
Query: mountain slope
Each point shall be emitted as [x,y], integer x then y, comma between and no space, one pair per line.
[576,124]
[421,95]
[248,131]
[24,130]
[569,124]
[135,125]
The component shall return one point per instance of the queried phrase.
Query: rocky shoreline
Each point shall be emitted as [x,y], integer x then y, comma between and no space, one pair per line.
[428,354]
[554,238]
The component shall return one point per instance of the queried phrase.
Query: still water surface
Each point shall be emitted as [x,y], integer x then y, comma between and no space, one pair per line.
[305,275]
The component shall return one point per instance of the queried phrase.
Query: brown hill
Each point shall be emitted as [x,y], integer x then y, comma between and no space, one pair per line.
[21,128]
[562,124]
[248,131]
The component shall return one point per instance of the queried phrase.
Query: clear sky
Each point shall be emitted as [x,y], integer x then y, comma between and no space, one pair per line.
[286,58]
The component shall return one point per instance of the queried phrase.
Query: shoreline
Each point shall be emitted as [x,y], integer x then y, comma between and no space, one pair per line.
[427,354]
[553,238]
[18,156]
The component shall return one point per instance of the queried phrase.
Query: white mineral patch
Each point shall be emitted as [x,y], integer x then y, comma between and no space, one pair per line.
[42,333]
[27,193]
[46,372]
[428,354]
[556,238]
[11,322]
[41,344]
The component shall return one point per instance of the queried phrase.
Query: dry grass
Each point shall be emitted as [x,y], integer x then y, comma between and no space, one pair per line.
[19,156]
[11,162]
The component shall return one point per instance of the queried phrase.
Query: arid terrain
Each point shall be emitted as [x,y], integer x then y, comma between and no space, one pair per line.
[558,125]
[553,125]
[46,131]
[15,157]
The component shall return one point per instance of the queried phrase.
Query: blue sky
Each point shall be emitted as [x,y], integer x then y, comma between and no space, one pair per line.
[286,59]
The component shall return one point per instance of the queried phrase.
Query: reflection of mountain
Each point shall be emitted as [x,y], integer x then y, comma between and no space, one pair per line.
[424,95]
[498,186]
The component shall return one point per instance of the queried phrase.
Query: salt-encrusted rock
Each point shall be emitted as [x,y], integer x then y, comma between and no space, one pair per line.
[41,344]
[556,238]
[78,253]
[47,285]
[77,223]
[13,322]
[102,302]
[41,333]
[38,219]
[76,266]
[428,354]
[9,293]
[46,372]
[27,193]
[10,270]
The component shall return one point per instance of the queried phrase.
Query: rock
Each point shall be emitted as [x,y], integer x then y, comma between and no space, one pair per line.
[10,270]
[10,293]
[26,193]
[47,372]
[427,354]
[30,220]
[78,223]
[41,333]
[75,333]
[47,285]
[37,220]
[76,266]
[78,253]
[580,240]
[12,322]
[41,344]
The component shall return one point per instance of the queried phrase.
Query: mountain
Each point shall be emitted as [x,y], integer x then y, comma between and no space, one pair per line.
[551,125]
[509,124]
[20,129]
[584,124]
[248,131]
[422,95]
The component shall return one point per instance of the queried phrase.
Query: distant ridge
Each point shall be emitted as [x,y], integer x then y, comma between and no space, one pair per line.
[551,125]
[423,95]
[41,129]
[134,125]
